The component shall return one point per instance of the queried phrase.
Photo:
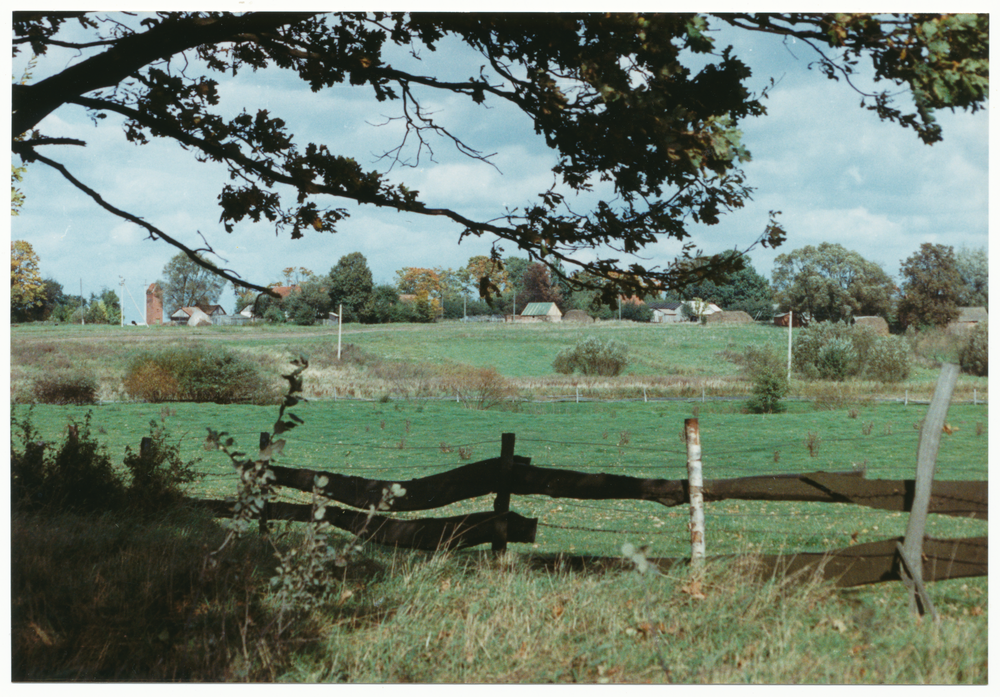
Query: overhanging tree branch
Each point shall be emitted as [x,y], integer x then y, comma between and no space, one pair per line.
[153,231]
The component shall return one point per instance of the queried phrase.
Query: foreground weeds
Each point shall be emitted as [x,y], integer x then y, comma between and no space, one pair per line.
[111,600]
[472,618]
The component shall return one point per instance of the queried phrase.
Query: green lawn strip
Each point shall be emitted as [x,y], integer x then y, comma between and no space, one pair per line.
[407,440]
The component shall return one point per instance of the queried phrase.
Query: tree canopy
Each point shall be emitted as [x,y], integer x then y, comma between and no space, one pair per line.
[932,286]
[645,107]
[190,282]
[350,284]
[27,290]
[831,283]
[974,268]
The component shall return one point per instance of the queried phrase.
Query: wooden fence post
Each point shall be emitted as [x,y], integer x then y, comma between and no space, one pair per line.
[695,496]
[911,552]
[501,504]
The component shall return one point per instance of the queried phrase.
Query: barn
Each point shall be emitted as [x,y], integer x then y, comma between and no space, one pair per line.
[541,312]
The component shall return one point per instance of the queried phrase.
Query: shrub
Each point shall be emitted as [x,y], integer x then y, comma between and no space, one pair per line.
[157,471]
[974,355]
[836,351]
[487,388]
[78,478]
[274,315]
[593,356]
[64,389]
[889,360]
[636,312]
[810,341]
[766,368]
[196,374]
[836,360]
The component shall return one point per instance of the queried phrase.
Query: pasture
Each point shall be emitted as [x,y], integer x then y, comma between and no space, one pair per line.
[434,360]
[466,616]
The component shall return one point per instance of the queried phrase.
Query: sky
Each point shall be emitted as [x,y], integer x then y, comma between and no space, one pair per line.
[836,173]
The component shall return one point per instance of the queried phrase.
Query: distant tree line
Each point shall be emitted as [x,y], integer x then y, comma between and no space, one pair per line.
[826,282]
[37,299]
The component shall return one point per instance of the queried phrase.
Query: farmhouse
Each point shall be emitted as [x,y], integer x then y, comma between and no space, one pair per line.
[669,311]
[197,316]
[541,312]
[665,311]
[968,317]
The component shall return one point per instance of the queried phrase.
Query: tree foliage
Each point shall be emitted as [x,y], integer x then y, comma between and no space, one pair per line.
[932,287]
[538,286]
[831,283]
[974,267]
[649,105]
[188,283]
[350,285]
[27,290]
[745,290]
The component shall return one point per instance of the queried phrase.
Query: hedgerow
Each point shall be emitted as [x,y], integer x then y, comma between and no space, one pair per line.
[197,374]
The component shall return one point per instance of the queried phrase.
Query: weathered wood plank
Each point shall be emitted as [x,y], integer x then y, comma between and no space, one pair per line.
[864,564]
[455,532]
[956,498]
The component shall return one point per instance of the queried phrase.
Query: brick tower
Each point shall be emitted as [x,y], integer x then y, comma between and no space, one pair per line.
[154,305]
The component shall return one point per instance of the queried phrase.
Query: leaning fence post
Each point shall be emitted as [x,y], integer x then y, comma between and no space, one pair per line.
[501,504]
[695,496]
[927,449]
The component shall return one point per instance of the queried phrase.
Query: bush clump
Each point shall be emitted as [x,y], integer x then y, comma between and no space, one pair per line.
[64,389]
[766,369]
[593,356]
[197,374]
[157,471]
[975,354]
[836,351]
[78,477]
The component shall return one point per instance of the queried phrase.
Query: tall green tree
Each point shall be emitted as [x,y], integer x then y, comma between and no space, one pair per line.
[831,283]
[650,104]
[187,282]
[974,267]
[350,285]
[931,288]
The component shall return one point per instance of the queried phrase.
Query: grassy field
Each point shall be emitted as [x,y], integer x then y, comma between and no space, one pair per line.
[112,600]
[433,360]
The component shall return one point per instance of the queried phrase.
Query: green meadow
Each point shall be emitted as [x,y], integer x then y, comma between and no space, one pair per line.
[112,599]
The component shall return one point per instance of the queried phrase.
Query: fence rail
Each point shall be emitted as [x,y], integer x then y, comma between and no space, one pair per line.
[859,564]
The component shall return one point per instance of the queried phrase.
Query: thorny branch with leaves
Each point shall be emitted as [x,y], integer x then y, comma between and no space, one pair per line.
[303,579]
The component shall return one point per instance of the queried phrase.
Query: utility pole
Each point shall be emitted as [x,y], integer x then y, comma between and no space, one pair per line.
[81,302]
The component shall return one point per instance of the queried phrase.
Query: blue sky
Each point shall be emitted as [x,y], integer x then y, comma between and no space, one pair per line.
[835,171]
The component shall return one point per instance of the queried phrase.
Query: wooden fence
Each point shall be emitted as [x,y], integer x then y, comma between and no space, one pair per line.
[912,559]
[513,475]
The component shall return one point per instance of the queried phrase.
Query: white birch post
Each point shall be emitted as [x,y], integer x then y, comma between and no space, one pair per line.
[695,496]
[790,322]
[911,550]
[340,324]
